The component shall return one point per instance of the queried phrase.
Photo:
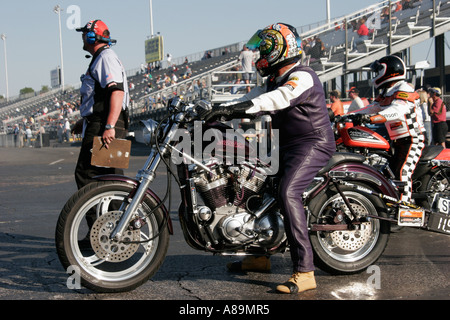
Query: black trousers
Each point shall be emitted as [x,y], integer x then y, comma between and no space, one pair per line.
[84,171]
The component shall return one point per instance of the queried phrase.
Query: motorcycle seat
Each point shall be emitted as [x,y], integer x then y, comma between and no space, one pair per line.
[431,152]
[340,157]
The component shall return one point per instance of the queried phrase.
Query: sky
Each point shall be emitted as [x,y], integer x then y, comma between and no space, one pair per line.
[188,27]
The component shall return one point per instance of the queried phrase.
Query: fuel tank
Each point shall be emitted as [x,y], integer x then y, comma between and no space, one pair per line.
[362,137]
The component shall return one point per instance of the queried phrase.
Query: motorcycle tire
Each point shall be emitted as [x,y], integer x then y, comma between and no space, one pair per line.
[348,251]
[434,182]
[83,244]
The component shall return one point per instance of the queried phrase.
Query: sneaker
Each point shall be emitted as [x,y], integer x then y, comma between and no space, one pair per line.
[299,282]
[251,263]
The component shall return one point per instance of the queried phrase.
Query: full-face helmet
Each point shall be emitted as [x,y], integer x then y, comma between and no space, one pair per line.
[279,45]
[388,69]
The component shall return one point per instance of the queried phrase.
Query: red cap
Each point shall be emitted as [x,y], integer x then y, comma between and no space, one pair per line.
[99,28]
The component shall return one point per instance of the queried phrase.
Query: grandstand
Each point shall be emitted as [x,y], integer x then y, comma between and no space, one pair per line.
[215,78]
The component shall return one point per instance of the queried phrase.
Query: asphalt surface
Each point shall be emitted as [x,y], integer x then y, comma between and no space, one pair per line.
[35,184]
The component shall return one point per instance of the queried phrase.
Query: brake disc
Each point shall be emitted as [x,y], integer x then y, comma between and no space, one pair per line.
[353,239]
[107,249]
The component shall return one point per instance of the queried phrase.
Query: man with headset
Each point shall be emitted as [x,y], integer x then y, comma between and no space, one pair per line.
[104,99]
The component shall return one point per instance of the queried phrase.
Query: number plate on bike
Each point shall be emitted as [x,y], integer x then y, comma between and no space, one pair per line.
[439,219]
[442,204]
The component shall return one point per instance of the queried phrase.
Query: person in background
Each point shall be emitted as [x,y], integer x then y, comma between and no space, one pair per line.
[363,34]
[336,104]
[357,103]
[246,59]
[423,96]
[438,117]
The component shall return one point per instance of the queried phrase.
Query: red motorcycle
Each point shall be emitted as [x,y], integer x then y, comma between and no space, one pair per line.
[431,179]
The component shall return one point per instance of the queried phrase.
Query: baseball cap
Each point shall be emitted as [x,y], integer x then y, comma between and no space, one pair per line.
[436,90]
[100,29]
[353,89]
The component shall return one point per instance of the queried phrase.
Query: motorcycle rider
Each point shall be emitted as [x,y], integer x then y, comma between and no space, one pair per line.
[293,96]
[398,103]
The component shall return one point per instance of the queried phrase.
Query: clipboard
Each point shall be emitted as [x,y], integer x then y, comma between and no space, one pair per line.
[116,156]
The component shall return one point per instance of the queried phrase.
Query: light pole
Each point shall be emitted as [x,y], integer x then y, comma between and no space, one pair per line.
[57,9]
[328,13]
[151,18]
[3,36]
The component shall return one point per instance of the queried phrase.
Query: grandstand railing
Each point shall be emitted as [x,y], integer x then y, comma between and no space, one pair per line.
[214,85]
[429,18]
[402,29]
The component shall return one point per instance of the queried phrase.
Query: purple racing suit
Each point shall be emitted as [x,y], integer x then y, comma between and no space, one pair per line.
[296,103]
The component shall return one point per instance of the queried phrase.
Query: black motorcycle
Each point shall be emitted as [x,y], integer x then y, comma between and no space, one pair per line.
[228,205]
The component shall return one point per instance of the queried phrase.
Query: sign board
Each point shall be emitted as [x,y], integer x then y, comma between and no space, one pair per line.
[55,78]
[154,49]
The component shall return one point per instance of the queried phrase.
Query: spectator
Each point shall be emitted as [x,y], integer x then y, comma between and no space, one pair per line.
[169,60]
[187,73]
[306,45]
[317,50]
[363,34]
[397,6]
[28,136]
[16,134]
[407,4]
[67,129]
[246,59]
[60,132]
[336,104]
[357,103]
[438,117]
[423,95]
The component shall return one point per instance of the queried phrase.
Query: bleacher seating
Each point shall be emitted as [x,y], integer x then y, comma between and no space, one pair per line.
[408,27]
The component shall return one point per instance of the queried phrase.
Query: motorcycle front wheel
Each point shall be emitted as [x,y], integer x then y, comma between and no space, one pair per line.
[348,251]
[83,243]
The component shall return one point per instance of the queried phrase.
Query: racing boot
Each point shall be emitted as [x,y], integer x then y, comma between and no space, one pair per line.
[251,263]
[299,282]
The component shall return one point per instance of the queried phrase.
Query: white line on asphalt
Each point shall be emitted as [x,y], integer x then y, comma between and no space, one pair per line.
[55,162]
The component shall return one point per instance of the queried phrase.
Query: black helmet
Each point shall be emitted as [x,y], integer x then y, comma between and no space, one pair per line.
[388,69]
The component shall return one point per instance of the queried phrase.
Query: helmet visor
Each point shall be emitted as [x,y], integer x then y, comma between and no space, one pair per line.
[376,66]
[255,41]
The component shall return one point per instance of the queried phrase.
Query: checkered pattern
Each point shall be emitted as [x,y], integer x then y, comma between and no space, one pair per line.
[415,151]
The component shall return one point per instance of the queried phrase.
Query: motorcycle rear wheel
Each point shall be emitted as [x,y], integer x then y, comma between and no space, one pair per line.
[432,183]
[82,239]
[349,251]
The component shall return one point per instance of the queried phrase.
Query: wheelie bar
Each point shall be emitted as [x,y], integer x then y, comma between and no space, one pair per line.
[432,220]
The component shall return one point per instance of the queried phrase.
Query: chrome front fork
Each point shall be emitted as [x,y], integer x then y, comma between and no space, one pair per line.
[146,177]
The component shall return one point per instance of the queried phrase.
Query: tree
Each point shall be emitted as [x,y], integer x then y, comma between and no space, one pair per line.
[26,90]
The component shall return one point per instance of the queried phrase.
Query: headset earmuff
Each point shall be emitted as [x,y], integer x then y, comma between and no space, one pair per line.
[91,37]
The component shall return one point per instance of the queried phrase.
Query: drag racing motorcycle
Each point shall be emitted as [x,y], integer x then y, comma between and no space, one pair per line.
[116,230]
[366,135]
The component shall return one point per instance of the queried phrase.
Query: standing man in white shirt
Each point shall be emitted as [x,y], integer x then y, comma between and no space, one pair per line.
[357,103]
[246,59]
[104,99]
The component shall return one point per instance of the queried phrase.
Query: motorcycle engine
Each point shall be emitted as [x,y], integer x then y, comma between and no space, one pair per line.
[231,210]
